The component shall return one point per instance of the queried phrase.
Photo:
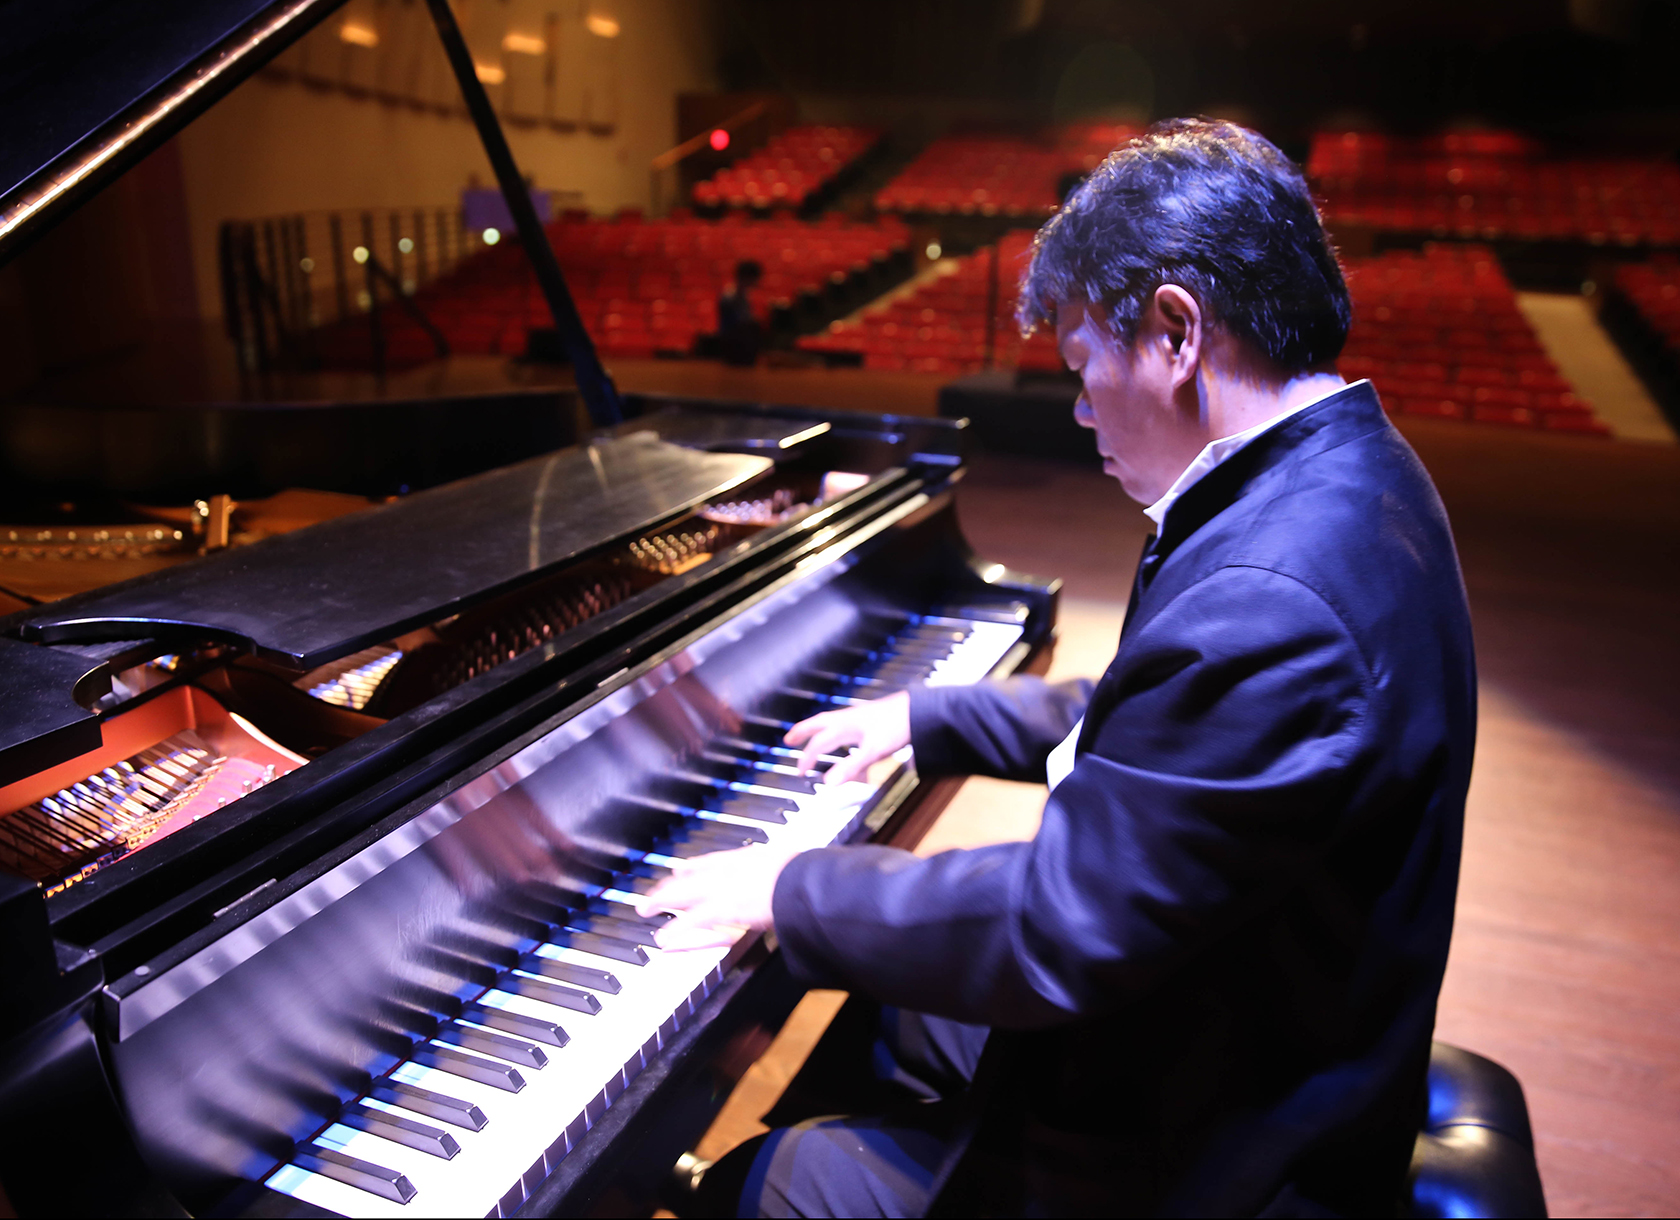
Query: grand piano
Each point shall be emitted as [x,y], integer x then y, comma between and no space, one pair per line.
[318,854]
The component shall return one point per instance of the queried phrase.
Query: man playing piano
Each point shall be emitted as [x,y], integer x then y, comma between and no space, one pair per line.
[1207,985]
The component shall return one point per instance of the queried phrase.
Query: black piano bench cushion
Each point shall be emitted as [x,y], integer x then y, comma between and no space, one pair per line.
[1475,1155]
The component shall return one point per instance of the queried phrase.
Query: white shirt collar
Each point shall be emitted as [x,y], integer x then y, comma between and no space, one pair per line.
[1215,452]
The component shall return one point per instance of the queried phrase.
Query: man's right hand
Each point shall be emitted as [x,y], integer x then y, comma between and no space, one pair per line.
[873,730]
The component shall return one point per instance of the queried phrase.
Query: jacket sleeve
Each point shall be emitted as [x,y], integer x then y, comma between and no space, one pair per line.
[1004,729]
[1220,775]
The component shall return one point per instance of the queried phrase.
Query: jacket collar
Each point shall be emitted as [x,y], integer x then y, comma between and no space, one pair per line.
[1350,412]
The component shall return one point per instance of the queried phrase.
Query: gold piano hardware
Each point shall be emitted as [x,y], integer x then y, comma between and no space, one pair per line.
[91,542]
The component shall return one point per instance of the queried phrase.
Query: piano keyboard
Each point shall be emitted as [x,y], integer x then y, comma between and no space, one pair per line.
[497,1093]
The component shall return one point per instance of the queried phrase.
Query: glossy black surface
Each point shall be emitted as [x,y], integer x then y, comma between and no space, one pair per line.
[732,432]
[72,66]
[41,724]
[80,78]
[310,596]
[175,453]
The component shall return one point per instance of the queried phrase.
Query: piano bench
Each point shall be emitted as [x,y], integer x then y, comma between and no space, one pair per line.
[1475,1155]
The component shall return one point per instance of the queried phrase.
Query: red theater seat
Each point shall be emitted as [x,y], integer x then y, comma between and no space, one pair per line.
[1439,334]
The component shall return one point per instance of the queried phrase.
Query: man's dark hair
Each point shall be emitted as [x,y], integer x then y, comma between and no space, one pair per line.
[748,272]
[1219,211]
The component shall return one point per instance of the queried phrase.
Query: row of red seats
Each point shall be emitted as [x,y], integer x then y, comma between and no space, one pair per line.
[990,175]
[1654,290]
[937,326]
[787,170]
[1493,185]
[954,321]
[1439,333]
[641,287]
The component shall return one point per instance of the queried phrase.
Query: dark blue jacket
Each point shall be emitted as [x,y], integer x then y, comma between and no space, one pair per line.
[1212,974]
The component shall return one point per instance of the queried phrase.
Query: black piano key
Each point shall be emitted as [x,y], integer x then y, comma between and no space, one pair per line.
[511,920]
[688,849]
[497,1046]
[727,769]
[754,805]
[601,946]
[626,912]
[470,1067]
[909,647]
[555,895]
[363,1175]
[871,683]
[910,644]
[823,699]
[478,973]
[778,752]
[782,780]
[533,907]
[568,972]
[636,932]
[548,993]
[732,834]
[535,1028]
[477,949]
[433,1105]
[766,730]
[631,884]
[759,810]
[400,1130]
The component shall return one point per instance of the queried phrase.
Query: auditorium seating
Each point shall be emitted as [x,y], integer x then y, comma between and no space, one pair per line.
[642,287]
[999,175]
[1654,290]
[1493,186]
[1439,333]
[1641,311]
[788,172]
[938,325]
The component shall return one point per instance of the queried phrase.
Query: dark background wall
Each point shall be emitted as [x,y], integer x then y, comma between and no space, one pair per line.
[1560,67]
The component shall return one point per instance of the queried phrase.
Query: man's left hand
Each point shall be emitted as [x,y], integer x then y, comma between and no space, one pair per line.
[717,897]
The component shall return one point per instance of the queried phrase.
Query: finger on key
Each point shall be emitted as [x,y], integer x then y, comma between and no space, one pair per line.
[833,738]
[687,933]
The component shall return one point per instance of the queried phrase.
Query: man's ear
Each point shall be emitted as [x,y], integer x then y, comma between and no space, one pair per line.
[1181,322]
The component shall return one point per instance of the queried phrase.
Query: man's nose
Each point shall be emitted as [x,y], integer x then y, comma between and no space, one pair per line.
[1082,413]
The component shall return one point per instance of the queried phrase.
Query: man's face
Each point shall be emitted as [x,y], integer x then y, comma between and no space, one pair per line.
[1127,400]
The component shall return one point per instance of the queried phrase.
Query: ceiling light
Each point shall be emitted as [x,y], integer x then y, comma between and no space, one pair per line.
[524,44]
[358,34]
[601,25]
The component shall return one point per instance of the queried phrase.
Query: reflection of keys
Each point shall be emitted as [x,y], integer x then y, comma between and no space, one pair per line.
[536,1059]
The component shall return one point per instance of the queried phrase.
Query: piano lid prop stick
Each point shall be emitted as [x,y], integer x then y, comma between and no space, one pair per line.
[600,395]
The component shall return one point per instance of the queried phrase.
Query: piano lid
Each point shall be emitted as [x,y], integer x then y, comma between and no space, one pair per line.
[320,593]
[88,87]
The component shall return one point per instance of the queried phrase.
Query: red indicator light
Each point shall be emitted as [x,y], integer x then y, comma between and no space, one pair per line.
[720,139]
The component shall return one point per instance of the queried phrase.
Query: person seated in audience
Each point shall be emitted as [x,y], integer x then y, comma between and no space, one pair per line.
[1207,985]
[739,334]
